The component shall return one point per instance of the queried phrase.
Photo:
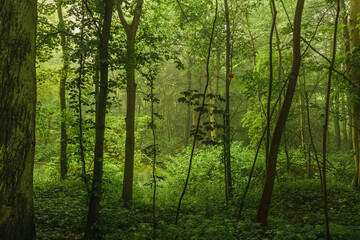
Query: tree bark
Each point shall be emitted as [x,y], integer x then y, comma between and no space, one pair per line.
[355,76]
[91,230]
[17,118]
[274,148]
[227,140]
[130,29]
[64,73]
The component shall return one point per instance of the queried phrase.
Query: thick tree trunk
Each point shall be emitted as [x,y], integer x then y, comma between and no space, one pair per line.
[17,118]
[346,49]
[355,76]
[130,30]
[274,148]
[130,124]
[91,230]
[64,72]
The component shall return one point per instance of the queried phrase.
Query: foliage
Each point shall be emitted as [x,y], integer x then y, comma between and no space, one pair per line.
[172,33]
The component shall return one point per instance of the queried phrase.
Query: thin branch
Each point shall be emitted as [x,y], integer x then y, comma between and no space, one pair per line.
[92,17]
[328,60]
[199,117]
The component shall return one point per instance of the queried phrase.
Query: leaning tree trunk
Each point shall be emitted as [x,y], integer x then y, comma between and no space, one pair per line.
[17,118]
[91,229]
[274,147]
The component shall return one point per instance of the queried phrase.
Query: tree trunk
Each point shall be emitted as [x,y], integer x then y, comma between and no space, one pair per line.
[346,49]
[274,148]
[227,140]
[337,123]
[344,121]
[188,109]
[64,73]
[130,30]
[326,123]
[17,118]
[213,132]
[91,230]
[355,76]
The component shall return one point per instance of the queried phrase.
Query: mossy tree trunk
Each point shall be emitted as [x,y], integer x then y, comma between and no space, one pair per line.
[355,76]
[17,118]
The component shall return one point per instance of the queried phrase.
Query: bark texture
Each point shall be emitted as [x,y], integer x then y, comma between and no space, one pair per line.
[17,118]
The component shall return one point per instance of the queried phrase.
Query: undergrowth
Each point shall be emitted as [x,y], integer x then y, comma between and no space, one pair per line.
[296,212]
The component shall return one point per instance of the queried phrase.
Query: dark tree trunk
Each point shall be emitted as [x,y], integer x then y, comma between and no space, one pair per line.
[91,230]
[188,108]
[344,121]
[130,29]
[64,72]
[337,123]
[17,118]
[227,140]
[130,125]
[274,147]
[326,123]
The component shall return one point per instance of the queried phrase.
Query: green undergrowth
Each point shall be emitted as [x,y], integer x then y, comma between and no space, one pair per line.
[296,212]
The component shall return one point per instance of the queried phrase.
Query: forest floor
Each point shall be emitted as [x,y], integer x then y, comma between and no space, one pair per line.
[296,213]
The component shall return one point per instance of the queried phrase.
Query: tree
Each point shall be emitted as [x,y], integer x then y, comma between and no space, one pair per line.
[355,76]
[91,230]
[17,118]
[227,140]
[188,108]
[280,125]
[130,30]
[346,50]
[64,73]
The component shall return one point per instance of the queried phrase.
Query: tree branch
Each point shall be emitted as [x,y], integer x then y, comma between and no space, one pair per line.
[121,16]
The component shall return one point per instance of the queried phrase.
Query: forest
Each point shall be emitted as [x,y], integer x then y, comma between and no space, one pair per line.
[179,119]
